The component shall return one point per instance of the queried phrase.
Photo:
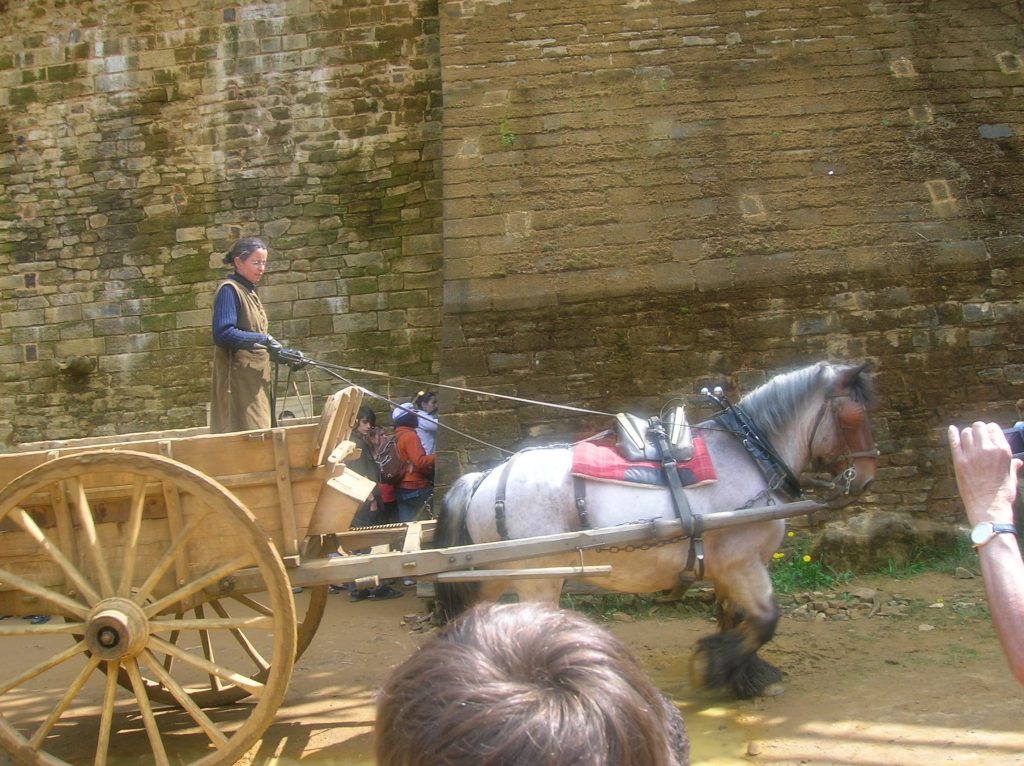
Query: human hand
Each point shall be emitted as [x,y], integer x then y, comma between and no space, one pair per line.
[272,343]
[986,474]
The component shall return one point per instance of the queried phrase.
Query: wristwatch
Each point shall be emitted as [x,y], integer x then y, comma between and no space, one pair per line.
[986,530]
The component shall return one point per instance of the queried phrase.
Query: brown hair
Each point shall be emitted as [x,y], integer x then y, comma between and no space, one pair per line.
[530,685]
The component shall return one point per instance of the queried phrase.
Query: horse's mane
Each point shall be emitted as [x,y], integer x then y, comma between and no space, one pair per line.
[775,403]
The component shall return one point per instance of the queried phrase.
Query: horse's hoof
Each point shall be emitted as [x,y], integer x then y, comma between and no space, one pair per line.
[773,690]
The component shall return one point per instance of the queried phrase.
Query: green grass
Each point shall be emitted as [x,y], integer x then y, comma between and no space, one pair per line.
[930,559]
[793,569]
[603,607]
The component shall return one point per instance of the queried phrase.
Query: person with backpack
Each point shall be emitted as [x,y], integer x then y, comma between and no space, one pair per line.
[417,484]
[369,513]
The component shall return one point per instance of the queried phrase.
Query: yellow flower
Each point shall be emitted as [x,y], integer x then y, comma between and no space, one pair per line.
[778,556]
[807,559]
[791,534]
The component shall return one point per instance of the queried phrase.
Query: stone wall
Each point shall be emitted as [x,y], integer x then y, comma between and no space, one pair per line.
[642,198]
[138,141]
[639,198]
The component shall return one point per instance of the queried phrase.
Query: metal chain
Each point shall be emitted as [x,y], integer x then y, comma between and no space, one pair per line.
[641,547]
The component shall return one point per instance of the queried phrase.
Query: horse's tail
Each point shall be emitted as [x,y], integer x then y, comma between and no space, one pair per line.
[451,599]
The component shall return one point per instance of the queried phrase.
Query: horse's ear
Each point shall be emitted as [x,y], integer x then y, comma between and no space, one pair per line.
[849,378]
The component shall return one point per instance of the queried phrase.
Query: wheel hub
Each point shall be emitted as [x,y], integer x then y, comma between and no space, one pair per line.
[117,628]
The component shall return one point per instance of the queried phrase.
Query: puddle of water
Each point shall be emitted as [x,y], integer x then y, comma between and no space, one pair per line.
[719,730]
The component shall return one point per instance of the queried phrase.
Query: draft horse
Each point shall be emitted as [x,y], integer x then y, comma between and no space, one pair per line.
[811,418]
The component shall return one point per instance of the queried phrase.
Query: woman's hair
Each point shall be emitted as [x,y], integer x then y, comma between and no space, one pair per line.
[525,684]
[365,413]
[243,248]
[422,397]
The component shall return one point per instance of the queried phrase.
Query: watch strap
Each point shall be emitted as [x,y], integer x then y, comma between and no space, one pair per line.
[994,528]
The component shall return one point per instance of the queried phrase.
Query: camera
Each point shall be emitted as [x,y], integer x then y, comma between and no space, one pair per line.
[1015,436]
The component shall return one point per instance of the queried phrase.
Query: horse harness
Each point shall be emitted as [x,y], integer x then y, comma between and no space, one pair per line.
[692,523]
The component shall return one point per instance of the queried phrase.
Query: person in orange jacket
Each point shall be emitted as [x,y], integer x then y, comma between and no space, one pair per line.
[417,485]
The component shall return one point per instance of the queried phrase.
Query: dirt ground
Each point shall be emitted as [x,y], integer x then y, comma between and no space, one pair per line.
[922,684]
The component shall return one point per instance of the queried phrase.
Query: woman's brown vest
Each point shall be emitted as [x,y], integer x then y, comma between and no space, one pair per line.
[241,378]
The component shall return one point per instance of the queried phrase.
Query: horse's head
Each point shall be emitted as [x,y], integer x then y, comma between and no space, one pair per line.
[841,439]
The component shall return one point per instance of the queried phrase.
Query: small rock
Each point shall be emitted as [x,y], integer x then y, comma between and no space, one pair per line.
[962,573]
[753,747]
[937,605]
[925,627]
[890,611]
[820,617]
[864,594]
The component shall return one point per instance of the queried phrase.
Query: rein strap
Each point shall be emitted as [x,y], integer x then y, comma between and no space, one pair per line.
[776,472]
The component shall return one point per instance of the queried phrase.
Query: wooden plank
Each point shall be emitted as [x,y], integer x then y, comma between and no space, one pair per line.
[286,506]
[346,450]
[525,573]
[175,518]
[339,499]
[321,447]
[413,537]
[348,407]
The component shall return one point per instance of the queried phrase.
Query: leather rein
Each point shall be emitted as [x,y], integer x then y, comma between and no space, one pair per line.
[779,476]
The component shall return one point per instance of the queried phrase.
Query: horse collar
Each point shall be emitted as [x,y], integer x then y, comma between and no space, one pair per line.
[778,475]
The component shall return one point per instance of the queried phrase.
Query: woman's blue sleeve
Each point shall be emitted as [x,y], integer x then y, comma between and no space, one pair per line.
[225,323]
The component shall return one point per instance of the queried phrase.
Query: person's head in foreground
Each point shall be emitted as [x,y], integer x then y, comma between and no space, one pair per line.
[525,685]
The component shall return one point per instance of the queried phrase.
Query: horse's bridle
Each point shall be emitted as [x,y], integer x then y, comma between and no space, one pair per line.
[843,480]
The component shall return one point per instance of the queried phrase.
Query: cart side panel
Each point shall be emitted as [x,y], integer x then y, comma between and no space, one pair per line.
[269,472]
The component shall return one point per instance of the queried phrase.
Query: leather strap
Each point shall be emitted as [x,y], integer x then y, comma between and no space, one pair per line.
[692,523]
[499,499]
[579,487]
[776,472]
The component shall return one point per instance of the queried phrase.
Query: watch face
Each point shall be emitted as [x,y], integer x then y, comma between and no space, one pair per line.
[981,532]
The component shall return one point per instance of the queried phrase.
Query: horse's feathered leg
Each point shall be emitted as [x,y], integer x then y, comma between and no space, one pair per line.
[747,620]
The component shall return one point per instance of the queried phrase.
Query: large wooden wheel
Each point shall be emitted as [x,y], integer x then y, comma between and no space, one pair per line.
[216,692]
[137,555]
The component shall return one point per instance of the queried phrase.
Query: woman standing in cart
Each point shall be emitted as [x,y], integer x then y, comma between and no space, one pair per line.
[241,370]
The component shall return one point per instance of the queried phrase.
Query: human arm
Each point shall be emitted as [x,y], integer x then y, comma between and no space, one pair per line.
[986,477]
[410,450]
[226,332]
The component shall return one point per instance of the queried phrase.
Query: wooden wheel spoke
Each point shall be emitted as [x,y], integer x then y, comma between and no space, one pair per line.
[65,702]
[195,586]
[207,644]
[163,625]
[244,641]
[91,539]
[131,538]
[42,667]
[253,604]
[152,730]
[111,541]
[59,600]
[107,715]
[28,524]
[183,698]
[167,560]
[252,686]
[22,628]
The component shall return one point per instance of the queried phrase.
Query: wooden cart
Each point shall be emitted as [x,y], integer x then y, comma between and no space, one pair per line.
[152,576]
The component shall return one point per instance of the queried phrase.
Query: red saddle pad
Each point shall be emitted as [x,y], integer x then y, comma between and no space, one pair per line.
[601,460]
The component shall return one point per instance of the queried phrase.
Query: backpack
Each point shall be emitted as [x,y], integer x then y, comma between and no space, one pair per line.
[385,455]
